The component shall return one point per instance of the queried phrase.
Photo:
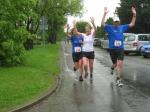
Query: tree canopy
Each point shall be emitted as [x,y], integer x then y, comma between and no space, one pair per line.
[143,14]
[20,21]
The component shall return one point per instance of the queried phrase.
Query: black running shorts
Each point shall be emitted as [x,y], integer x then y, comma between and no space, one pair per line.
[76,57]
[116,54]
[89,55]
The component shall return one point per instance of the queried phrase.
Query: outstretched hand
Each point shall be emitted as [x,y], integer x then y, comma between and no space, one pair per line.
[74,22]
[106,10]
[92,19]
[133,10]
[68,26]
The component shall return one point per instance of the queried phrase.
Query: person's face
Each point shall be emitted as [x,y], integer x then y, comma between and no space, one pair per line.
[88,30]
[74,33]
[116,23]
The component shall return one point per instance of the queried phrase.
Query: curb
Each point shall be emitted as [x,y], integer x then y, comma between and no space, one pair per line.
[43,97]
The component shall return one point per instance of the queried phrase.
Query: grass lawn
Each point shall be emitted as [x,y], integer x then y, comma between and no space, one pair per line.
[21,84]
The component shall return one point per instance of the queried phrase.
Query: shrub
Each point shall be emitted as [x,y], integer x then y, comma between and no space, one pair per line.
[11,44]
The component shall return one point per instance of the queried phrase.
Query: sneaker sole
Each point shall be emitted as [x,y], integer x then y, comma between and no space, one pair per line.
[119,85]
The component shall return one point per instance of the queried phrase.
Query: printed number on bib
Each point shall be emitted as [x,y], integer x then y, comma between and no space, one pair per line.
[117,43]
[77,49]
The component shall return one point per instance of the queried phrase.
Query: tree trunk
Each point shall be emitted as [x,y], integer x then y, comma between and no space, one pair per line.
[52,38]
[29,42]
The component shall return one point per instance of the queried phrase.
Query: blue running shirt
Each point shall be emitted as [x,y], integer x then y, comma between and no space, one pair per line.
[115,35]
[76,42]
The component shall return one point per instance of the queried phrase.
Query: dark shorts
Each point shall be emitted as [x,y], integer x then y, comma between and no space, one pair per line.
[116,54]
[76,57]
[89,55]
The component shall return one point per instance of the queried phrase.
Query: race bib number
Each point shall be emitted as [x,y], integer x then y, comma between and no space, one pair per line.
[117,43]
[77,49]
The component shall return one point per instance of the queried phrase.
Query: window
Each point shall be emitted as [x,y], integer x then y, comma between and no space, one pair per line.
[144,37]
[130,38]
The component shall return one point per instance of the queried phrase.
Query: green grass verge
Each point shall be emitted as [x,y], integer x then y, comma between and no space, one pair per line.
[21,84]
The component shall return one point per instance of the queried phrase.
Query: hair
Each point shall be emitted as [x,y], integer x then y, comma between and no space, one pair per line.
[88,25]
[72,31]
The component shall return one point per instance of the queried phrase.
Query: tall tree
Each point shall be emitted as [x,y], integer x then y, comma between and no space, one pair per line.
[81,26]
[20,19]
[109,20]
[143,14]
[57,11]
[13,31]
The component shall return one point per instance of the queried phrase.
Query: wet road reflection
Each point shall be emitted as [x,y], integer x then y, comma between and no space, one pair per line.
[102,94]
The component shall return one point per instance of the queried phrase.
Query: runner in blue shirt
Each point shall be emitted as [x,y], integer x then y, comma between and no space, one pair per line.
[116,41]
[76,41]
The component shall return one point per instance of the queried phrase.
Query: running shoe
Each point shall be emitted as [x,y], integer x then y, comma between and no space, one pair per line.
[81,78]
[119,82]
[74,69]
[112,71]
[91,76]
[86,75]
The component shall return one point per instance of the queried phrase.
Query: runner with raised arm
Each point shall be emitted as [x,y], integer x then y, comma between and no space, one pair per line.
[116,41]
[76,41]
[88,49]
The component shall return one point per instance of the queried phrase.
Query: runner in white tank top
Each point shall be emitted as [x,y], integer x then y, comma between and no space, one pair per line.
[88,43]
[88,49]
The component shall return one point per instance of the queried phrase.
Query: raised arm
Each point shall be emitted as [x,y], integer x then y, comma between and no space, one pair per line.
[68,27]
[104,16]
[132,23]
[75,27]
[94,26]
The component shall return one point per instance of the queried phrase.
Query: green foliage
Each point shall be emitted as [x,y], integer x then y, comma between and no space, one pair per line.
[109,20]
[13,33]
[81,26]
[100,32]
[143,14]
[11,46]
[20,20]
[56,11]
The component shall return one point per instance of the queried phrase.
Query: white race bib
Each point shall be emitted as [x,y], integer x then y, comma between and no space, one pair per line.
[117,43]
[77,49]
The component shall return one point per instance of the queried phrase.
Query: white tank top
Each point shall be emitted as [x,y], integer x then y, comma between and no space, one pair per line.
[88,41]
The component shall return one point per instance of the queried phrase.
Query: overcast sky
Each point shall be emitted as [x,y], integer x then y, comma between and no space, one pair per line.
[94,8]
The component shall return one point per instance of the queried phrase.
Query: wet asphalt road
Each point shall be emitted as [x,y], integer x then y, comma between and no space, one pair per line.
[101,94]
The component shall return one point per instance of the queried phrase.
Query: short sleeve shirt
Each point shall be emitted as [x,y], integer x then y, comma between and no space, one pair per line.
[76,42]
[115,35]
